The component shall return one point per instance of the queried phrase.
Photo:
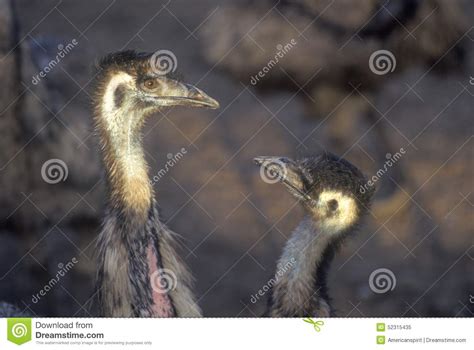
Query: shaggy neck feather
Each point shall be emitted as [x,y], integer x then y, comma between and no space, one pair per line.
[311,248]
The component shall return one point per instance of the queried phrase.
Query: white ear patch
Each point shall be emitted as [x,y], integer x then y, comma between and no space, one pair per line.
[108,104]
[344,214]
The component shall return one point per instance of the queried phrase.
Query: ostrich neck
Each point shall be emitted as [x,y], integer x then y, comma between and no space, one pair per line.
[301,273]
[130,239]
[126,169]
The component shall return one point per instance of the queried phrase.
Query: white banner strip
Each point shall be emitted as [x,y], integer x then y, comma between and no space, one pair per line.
[237,333]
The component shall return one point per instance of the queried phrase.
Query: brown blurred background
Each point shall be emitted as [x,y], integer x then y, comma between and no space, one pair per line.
[320,95]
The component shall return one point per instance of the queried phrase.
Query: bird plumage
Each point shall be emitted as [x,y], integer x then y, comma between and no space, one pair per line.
[329,189]
[137,258]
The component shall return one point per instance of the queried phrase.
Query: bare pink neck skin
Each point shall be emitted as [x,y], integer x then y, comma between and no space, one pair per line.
[162,306]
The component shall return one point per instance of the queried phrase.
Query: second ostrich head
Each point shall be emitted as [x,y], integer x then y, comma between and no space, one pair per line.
[329,188]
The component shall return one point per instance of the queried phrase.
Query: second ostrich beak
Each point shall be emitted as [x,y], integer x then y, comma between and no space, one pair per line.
[284,170]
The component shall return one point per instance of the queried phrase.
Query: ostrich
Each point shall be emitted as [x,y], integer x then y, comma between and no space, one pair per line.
[329,189]
[139,272]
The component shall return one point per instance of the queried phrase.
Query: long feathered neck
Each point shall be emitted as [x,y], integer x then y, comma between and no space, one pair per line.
[130,258]
[300,288]
[118,123]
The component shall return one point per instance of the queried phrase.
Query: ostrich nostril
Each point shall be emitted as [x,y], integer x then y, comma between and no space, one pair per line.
[198,95]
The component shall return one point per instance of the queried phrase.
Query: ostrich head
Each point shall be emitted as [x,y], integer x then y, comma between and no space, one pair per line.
[132,85]
[329,188]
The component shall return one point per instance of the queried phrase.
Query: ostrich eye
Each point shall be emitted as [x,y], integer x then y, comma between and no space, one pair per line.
[333,205]
[150,84]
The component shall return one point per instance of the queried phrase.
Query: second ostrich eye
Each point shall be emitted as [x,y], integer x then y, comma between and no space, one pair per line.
[333,205]
[150,84]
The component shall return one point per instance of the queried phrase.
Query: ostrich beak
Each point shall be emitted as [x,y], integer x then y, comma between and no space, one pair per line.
[182,94]
[275,166]
[286,171]
[198,97]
